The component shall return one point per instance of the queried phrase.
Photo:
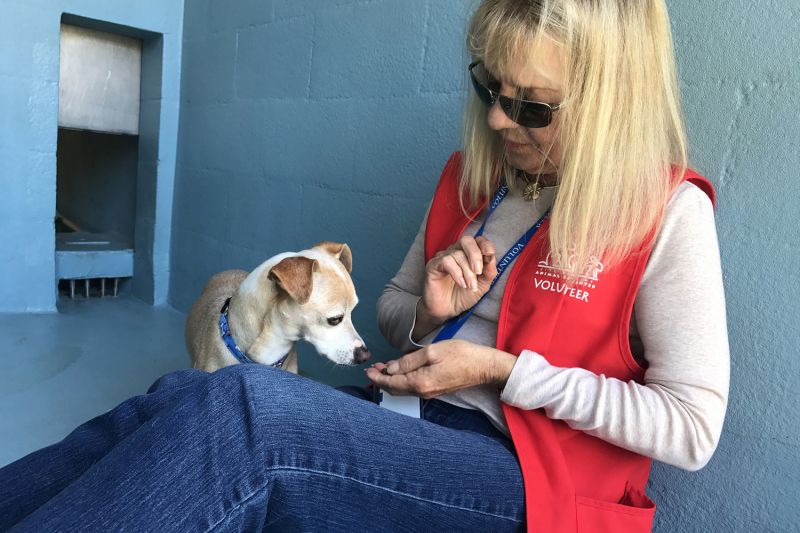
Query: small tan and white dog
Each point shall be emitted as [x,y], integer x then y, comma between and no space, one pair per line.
[304,295]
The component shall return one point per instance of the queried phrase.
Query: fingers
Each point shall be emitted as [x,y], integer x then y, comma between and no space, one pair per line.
[409,362]
[397,376]
[449,265]
[400,385]
[486,247]
[458,263]
[480,253]
[411,384]
[470,263]
[466,260]
[489,259]
[473,254]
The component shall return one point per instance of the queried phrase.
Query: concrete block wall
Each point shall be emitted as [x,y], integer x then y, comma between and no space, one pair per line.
[29,70]
[740,87]
[305,120]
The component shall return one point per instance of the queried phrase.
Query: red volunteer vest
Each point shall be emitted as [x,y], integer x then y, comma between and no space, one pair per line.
[574,482]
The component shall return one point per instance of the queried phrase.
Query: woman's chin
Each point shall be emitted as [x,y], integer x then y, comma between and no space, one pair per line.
[531,163]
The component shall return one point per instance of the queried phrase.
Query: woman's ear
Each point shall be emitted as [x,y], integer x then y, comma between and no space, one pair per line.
[339,250]
[294,276]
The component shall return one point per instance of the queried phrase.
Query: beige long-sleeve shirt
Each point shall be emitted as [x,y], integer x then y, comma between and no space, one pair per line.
[678,327]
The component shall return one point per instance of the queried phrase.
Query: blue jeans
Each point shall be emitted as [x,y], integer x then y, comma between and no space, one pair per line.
[251,448]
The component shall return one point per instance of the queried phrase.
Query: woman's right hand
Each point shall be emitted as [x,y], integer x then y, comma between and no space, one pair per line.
[455,279]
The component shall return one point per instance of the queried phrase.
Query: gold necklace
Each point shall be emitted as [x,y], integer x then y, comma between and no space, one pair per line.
[533,191]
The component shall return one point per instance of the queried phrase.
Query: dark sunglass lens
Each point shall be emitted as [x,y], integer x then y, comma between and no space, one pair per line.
[532,115]
[526,114]
[510,107]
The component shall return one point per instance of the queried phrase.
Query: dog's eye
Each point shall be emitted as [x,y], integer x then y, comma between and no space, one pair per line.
[336,320]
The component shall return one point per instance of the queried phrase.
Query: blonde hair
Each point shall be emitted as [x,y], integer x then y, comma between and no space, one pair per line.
[621,130]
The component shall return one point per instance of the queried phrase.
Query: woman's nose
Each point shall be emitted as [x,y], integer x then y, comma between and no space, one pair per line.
[498,120]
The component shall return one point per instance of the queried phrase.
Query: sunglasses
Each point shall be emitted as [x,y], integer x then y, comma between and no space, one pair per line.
[525,113]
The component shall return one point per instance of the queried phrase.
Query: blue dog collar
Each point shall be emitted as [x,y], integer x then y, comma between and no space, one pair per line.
[227,338]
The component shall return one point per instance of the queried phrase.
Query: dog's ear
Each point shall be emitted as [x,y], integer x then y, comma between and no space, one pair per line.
[294,275]
[339,250]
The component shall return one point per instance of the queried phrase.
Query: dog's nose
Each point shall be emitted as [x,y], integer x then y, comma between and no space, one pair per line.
[361,354]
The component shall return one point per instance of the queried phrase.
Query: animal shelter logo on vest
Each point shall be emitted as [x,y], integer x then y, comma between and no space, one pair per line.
[551,278]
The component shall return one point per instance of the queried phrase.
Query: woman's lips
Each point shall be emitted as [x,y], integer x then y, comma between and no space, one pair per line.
[514,146]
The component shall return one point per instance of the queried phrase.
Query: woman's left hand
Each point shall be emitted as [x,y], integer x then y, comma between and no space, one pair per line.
[443,367]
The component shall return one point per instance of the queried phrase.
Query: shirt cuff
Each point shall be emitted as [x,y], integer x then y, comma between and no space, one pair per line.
[427,339]
[527,381]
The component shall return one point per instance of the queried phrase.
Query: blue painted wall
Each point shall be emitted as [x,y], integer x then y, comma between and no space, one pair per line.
[740,85]
[29,68]
[309,120]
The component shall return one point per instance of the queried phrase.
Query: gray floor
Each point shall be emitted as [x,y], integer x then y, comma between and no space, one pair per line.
[59,370]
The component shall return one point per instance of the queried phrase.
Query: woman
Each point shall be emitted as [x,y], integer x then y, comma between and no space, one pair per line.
[603,347]
[615,308]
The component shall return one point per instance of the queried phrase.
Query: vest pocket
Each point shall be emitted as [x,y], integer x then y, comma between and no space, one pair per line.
[634,514]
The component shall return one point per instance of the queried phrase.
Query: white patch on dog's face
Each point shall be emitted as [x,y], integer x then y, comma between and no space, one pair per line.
[325,320]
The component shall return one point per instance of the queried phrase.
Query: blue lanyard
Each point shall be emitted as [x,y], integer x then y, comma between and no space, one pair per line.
[452,326]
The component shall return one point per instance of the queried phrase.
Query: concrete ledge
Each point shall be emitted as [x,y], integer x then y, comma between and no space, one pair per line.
[92,255]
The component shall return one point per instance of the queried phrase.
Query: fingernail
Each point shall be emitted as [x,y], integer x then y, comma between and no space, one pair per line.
[477,267]
[392,368]
[474,286]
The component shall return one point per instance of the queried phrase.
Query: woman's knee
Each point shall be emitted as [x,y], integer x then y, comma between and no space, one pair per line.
[256,382]
[266,396]
[178,380]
